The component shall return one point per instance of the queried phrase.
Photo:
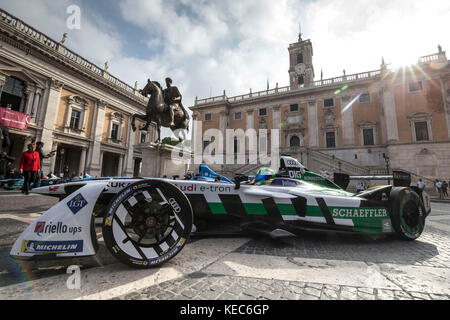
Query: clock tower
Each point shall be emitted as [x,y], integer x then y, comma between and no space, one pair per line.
[301,70]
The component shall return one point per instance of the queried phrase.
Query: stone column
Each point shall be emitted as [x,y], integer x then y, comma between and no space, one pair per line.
[36,102]
[129,154]
[348,131]
[82,166]
[51,113]
[96,160]
[99,171]
[53,159]
[223,125]
[252,147]
[2,82]
[120,169]
[29,93]
[313,125]
[275,137]
[197,142]
[446,100]
[390,115]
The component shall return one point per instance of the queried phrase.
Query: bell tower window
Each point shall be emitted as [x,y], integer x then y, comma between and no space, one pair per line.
[299,58]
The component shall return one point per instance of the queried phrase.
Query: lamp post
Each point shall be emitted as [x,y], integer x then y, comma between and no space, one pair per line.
[386,159]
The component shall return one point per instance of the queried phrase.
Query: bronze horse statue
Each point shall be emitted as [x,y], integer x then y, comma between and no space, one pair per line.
[158,111]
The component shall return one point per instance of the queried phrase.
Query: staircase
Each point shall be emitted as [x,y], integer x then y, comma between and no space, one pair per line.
[319,161]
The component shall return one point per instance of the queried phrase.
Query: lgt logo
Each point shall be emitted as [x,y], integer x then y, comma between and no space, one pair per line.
[77,203]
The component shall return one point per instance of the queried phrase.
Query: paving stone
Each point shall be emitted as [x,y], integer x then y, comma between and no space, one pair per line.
[226,296]
[189,293]
[318,286]
[308,297]
[366,290]
[401,295]
[385,294]
[439,297]
[312,292]
[253,292]
[419,295]
[365,296]
[329,294]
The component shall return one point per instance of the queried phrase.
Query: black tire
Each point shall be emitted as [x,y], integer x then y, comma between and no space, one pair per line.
[407,213]
[147,223]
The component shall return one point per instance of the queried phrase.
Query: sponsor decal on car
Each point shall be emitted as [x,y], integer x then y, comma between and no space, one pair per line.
[42,227]
[359,212]
[53,189]
[33,246]
[203,188]
[77,203]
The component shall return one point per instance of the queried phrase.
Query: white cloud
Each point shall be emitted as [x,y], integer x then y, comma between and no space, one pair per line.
[209,46]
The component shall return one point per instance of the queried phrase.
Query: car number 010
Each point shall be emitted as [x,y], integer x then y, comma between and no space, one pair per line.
[174,205]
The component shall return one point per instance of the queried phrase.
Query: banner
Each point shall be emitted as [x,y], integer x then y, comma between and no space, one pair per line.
[10,118]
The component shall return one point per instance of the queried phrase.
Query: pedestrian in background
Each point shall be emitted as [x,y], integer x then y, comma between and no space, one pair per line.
[30,167]
[444,188]
[39,147]
[439,188]
[421,186]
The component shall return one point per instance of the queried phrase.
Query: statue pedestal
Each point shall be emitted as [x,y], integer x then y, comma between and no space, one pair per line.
[160,160]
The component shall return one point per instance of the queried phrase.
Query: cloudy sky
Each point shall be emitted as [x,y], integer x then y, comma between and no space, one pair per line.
[209,46]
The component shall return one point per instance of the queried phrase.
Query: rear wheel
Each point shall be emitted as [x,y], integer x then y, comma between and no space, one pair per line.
[407,213]
[147,223]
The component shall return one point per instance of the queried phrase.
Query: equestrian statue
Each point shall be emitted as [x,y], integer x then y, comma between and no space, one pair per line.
[164,108]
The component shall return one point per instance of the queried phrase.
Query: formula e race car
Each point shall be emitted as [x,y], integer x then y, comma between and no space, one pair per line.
[147,221]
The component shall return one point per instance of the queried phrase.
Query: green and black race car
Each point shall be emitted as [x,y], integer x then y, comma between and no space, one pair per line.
[147,221]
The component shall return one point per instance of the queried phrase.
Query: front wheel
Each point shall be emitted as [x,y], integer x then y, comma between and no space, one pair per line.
[147,223]
[407,213]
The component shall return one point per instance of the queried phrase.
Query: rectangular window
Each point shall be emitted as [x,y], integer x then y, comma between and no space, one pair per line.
[208,117]
[294,107]
[331,140]
[114,131]
[238,116]
[328,102]
[75,119]
[364,98]
[368,137]
[415,86]
[421,131]
[143,137]
[263,112]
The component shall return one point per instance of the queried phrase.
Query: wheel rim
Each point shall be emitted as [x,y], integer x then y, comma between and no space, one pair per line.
[411,217]
[147,223]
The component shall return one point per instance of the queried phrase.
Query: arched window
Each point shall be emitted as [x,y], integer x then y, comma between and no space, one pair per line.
[294,142]
[299,58]
[301,80]
[13,95]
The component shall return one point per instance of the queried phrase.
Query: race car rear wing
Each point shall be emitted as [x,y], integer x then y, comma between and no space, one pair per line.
[399,178]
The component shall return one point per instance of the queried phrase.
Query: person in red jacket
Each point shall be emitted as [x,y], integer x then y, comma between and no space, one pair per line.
[30,166]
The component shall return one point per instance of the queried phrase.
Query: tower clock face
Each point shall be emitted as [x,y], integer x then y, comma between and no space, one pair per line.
[300,68]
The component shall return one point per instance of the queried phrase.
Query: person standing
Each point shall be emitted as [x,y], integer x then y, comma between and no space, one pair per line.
[421,186]
[30,166]
[439,188]
[444,188]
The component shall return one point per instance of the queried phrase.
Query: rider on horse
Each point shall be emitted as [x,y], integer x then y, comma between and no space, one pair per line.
[172,97]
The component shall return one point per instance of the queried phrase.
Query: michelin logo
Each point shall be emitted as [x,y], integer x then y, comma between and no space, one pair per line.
[31,246]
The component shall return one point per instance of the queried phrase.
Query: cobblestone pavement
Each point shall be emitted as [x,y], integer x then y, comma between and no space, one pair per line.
[317,265]
[389,255]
